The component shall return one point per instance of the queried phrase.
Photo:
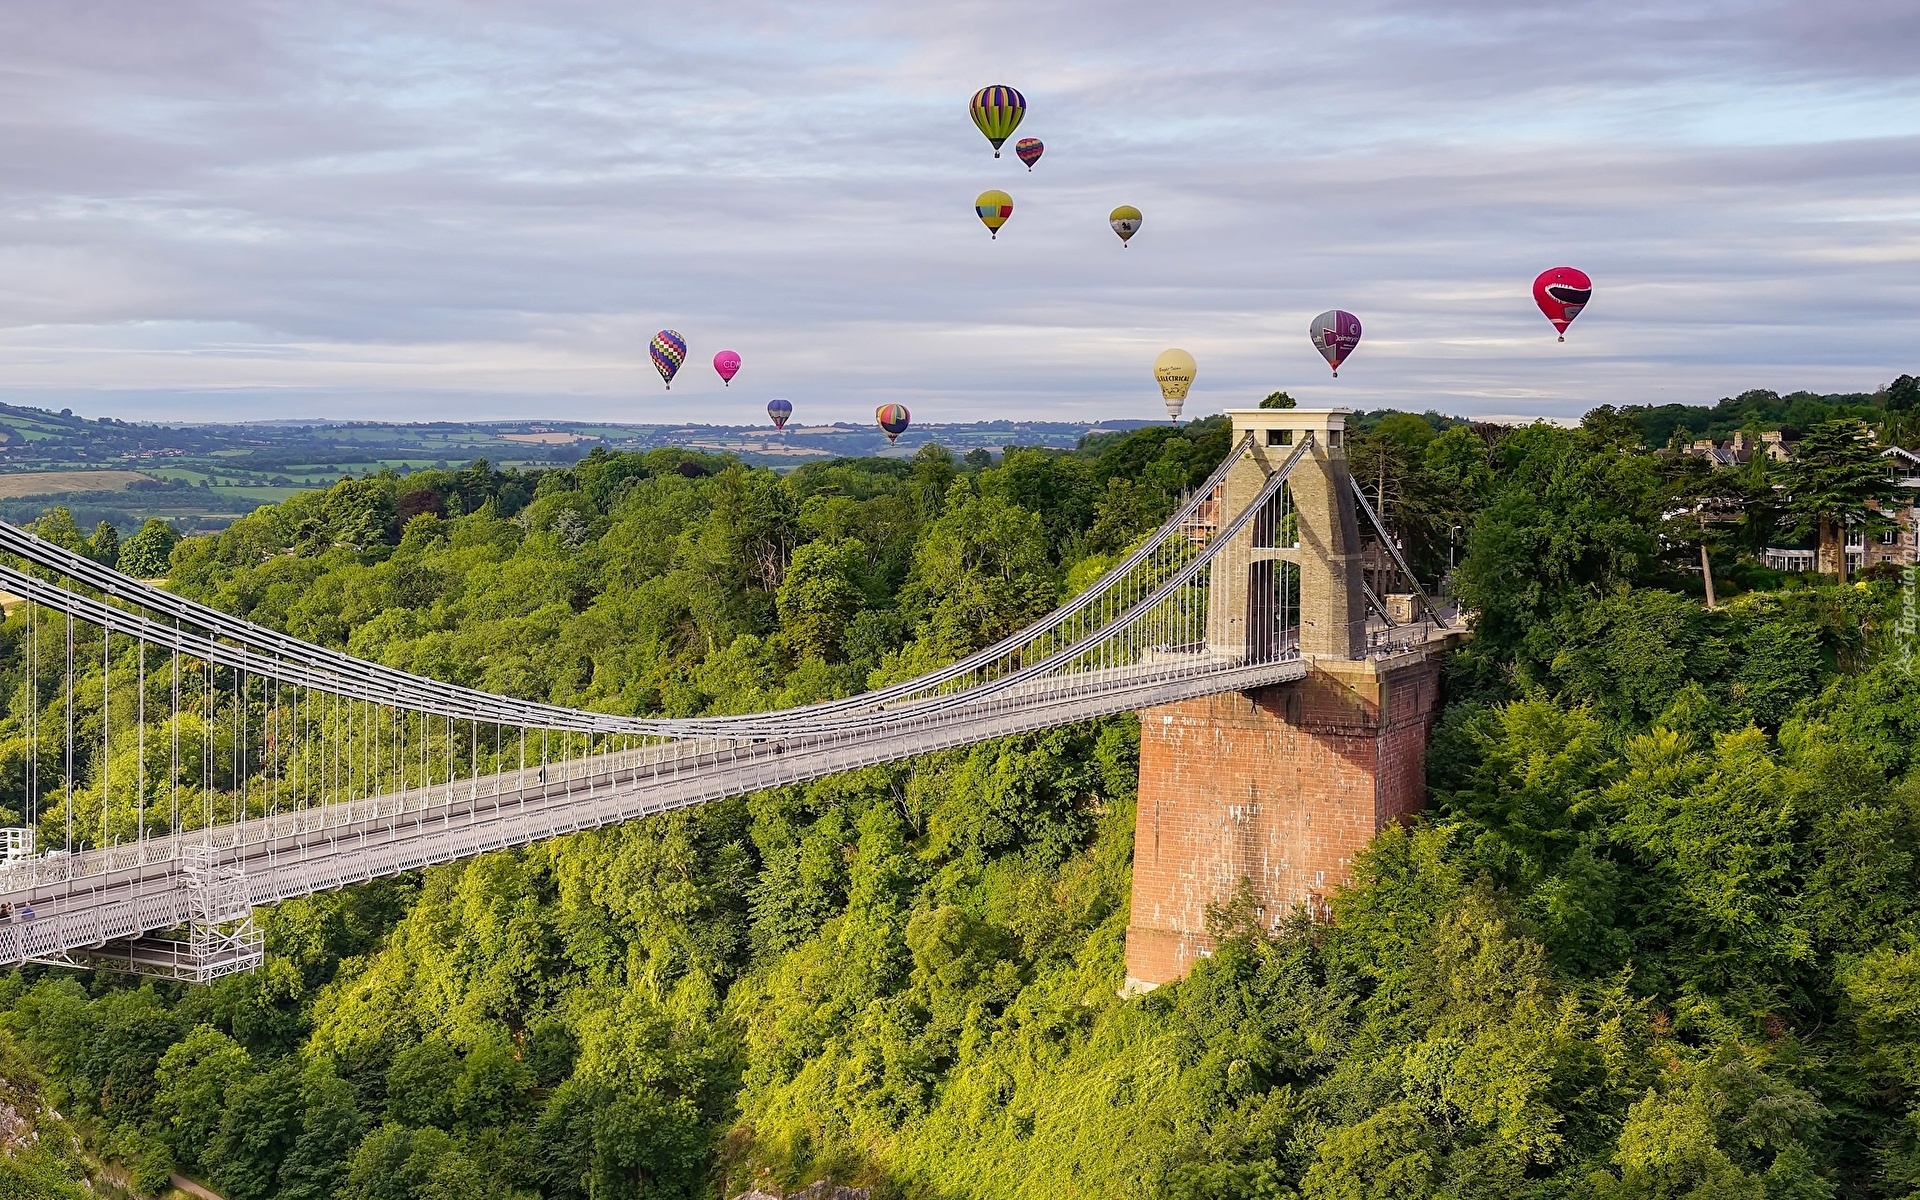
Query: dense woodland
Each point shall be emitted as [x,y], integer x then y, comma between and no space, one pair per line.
[1657,936]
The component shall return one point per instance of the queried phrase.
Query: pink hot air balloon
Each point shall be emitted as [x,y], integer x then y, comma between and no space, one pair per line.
[728,364]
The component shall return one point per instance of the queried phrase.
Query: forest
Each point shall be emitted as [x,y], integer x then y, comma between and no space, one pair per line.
[1656,936]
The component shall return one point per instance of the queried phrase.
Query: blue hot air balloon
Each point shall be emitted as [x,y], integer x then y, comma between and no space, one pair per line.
[779,408]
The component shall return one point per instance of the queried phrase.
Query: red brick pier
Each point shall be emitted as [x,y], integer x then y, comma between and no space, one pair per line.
[1280,787]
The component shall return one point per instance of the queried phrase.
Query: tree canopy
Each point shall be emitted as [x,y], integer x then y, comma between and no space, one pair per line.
[1657,935]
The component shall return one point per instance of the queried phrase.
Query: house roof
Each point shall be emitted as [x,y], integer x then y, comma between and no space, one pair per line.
[1906,465]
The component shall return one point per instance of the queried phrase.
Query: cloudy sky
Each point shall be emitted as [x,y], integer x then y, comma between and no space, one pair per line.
[421,209]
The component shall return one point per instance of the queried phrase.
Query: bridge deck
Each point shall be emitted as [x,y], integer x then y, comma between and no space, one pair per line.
[91,899]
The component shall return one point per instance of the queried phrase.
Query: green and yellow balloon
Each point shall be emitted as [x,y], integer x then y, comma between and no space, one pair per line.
[997,111]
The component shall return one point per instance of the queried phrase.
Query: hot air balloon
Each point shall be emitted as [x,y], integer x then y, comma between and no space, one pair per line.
[727,363]
[1561,293]
[1175,370]
[893,419]
[779,408]
[997,111]
[1029,150]
[994,207]
[1335,333]
[669,350]
[1126,222]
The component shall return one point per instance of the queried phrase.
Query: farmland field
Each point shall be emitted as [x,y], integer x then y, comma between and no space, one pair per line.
[51,483]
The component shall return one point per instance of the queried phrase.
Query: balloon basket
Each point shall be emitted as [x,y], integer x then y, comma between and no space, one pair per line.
[1563,337]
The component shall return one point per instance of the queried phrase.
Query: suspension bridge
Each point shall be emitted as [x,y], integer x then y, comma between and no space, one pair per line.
[186,767]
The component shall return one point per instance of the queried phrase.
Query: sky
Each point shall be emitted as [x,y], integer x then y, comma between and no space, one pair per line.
[473,209]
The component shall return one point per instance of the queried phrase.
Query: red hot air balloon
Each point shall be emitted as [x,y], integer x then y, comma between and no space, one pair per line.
[1335,333]
[893,419]
[1561,293]
[1029,150]
[727,363]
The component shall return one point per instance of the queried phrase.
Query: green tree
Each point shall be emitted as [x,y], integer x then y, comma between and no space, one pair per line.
[420,1083]
[57,526]
[1278,400]
[647,1148]
[1389,463]
[820,595]
[193,1077]
[258,1129]
[131,1031]
[1903,394]
[1718,512]
[360,512]
[493,1084]
[979,572]
[1609,425]
[1574,518]
[1127,511]
[104,546]
[330,1128]
[397,1163]
[149,552]
[1901,424]
[1056,485]
[1833,483]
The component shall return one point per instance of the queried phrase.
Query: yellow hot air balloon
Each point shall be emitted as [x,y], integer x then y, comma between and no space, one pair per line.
[1174,369]
[1125,221]
[994,207]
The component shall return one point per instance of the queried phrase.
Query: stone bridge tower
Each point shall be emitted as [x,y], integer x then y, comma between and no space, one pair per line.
[1282,785]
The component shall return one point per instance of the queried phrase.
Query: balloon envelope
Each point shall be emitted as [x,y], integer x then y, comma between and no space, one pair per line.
[1029,150]
[727,363]
[668,351]
[779,408]
[1335,333]
[993,207]
[1125,221]
[893,419]
[997,111]
[1174,370]
[1561,293]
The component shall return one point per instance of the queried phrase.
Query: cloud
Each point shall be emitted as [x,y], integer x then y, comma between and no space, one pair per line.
[435,208]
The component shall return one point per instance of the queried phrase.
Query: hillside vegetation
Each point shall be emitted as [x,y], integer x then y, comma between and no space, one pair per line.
[1657,936]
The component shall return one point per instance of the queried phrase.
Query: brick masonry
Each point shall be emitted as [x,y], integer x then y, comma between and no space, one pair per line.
[1280,786]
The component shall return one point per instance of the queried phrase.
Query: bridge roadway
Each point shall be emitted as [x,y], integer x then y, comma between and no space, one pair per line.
[90,899]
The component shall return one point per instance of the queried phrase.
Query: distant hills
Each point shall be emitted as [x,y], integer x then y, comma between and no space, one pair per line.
[202,476]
